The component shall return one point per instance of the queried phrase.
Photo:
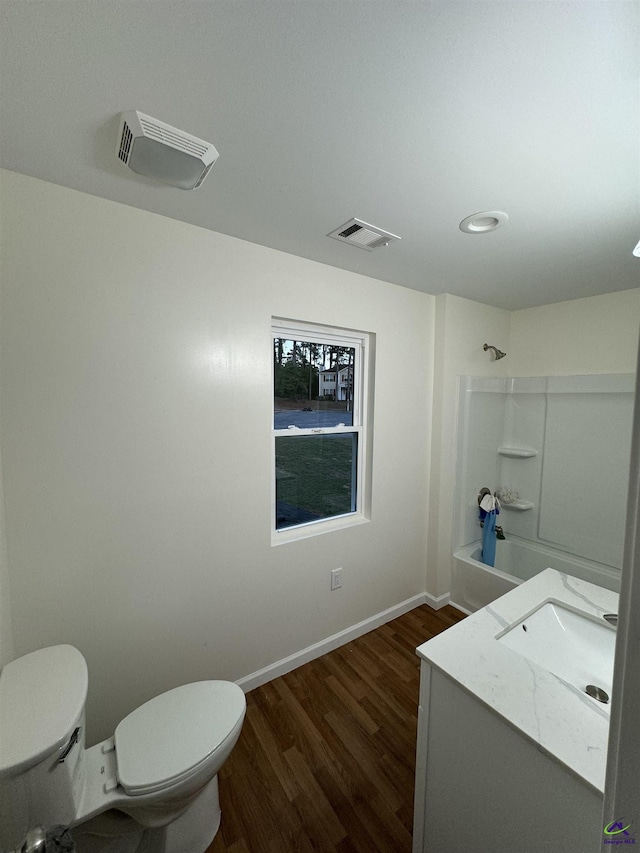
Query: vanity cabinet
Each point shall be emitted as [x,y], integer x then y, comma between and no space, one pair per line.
[512,747]
[482,787]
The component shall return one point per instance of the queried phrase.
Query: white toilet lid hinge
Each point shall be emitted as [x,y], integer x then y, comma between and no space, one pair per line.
[110,785]
[108,745]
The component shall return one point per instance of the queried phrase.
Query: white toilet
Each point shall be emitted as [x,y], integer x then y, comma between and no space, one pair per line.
[151,788]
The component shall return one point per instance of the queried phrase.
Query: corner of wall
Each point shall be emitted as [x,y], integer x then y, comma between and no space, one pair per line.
[462,326]
[6,636]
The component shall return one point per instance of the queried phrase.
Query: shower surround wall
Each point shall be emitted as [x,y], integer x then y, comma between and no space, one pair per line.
[563,444]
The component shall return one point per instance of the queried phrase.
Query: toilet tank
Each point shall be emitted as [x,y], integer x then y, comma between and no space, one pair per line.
[42,703]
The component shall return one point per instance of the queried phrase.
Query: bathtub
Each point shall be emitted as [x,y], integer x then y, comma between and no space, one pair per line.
[474,584]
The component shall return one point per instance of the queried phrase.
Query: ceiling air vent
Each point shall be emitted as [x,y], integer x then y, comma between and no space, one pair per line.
[125,142]
[158,150]
[364,236]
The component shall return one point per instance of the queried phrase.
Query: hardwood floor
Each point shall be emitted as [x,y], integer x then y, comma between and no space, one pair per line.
[325,761]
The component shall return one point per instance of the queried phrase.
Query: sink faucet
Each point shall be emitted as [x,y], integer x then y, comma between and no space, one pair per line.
[612,619]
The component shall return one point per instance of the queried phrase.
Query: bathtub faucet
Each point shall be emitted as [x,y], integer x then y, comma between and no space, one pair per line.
[499,530]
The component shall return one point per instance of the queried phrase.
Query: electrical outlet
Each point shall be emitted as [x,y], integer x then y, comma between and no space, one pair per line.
[336,578]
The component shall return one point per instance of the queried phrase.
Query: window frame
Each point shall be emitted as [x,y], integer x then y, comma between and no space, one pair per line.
[361,343]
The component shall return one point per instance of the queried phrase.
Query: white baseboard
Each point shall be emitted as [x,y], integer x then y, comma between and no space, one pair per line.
[461,608]
[437,603]
[281,667]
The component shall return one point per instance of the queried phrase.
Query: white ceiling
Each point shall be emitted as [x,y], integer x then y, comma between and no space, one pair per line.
[408,115]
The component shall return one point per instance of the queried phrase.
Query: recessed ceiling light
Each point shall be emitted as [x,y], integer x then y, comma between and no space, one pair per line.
[480,223]
[636,251]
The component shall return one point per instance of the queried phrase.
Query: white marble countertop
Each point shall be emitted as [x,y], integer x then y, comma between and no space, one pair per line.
[562,720]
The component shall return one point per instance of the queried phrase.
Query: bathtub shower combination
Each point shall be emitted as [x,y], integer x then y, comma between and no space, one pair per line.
[556,450]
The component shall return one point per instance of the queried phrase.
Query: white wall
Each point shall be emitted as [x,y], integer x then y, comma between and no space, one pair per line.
[136,413]
[598,334]
[6,638]
[135,417]
[462,327]
[6,635]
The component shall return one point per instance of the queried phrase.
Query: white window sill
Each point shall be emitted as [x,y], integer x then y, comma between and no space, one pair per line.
[316,528]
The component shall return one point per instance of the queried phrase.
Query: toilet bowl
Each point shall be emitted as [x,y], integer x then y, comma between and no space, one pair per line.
[152,787]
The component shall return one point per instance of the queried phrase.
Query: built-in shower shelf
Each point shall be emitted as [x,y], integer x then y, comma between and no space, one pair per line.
[517,452]
[518,506]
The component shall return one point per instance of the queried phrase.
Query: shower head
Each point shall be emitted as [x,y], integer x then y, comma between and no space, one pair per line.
[498,352]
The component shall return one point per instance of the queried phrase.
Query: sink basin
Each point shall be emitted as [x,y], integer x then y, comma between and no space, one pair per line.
[577,648]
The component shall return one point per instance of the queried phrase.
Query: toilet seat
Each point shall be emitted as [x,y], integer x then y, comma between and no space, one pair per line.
[173,735]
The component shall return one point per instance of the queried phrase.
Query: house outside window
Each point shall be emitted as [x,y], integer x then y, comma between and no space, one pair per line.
[320,381]
[326,383]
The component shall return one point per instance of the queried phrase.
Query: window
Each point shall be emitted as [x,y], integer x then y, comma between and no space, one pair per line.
[319,436]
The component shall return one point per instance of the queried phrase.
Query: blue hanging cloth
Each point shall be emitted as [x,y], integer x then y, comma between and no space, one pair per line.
[489,539]
[489,509]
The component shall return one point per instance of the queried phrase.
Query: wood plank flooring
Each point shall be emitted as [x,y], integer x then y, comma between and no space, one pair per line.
[325,761]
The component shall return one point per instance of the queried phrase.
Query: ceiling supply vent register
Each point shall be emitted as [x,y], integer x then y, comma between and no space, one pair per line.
[157,150]
[364,236]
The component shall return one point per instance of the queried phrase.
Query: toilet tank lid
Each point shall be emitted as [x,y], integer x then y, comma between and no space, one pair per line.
[42,697]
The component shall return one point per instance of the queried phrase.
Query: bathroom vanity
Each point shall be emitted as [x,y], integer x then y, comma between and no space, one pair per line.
[511,750]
